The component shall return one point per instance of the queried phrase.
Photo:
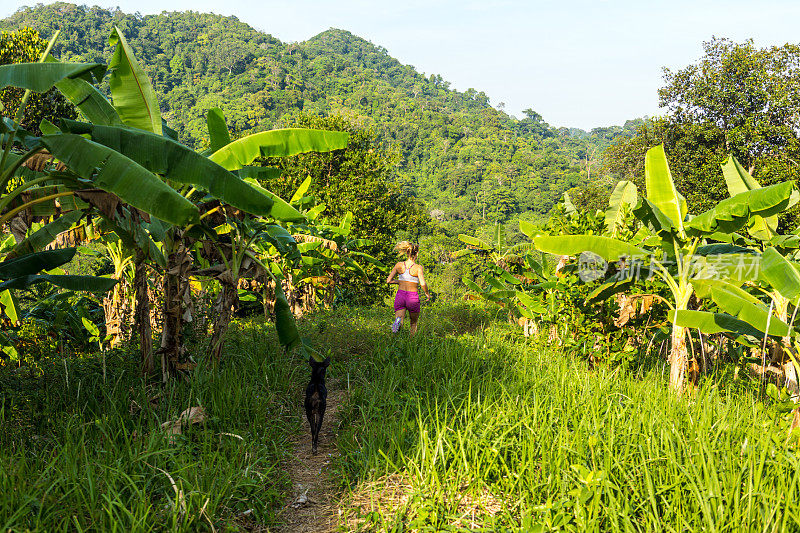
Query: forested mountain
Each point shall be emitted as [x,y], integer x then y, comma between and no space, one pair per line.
[466,159]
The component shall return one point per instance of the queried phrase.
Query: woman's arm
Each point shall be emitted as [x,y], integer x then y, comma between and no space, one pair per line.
[392,274]
[421,276]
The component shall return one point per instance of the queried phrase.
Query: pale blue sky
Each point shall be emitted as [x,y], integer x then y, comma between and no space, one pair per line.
[577,62]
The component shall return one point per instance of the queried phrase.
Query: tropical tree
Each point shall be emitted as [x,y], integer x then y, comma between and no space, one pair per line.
[678,249]
[129,154]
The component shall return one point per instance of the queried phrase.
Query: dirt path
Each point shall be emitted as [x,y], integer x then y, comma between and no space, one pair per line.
[311,506]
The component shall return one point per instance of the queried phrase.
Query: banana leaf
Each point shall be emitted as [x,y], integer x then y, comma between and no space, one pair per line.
[301,190]
[312,261]
[655,219]
[738,181]
[46,234]
[36,262]
[661,190]
[90,101]
[743,308]
[71,283]
[607,290]
[471,285]
[162,155]
[737,267]
[569,207]
[722,249]
[780,274]
[474,241]
[702,288]
[368,258]
[528,228]
[10,306]
[167,131]
[217,129]
[258,173]
[115,173]
[500,237]
[494,282]
[508,278]
[462,253]
[41,77]
[285,323]
[48,128]
[278,143]
[500,296]
[624,193]
[785,242]
[315,211]
[530,303]
[133,94]
[305,247]
[281,209]
[281,239]
[606,247]
[139,235]
[355,266]
[733,213]
[711,323]
[346,224]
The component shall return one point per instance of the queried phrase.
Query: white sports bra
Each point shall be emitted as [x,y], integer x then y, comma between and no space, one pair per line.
[406,276]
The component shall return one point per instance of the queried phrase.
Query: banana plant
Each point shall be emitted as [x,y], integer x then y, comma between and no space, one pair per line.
[39,267]
[773,276]
[497,250]
[679,249]
[623,199]
[237,258]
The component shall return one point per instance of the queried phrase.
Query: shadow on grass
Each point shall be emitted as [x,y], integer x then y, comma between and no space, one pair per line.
[80,453]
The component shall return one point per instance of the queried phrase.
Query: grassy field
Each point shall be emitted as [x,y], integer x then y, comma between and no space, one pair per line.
[77,454]
[468,426]
[482,430]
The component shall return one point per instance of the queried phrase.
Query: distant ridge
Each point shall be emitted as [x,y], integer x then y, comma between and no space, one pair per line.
[459,153]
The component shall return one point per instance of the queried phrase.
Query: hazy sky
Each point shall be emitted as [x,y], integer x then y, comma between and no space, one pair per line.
[577,62]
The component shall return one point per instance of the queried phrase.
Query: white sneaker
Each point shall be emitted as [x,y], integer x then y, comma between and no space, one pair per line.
[396,325]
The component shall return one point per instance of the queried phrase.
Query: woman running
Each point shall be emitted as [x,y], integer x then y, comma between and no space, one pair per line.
[409,276]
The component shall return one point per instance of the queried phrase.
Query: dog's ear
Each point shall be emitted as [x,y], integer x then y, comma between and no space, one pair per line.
[326,362]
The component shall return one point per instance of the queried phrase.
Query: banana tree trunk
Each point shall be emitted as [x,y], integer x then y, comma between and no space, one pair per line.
[679,356]
[142,316]
[228,298]
[117,311]
[174,358]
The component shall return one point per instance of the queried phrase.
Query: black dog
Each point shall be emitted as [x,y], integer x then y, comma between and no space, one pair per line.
[316,398]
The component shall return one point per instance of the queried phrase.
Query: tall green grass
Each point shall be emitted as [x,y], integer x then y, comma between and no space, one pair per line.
[77,454]
[487,431]
[467,426]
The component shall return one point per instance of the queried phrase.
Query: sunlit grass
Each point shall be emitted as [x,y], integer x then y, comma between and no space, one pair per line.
[484,430]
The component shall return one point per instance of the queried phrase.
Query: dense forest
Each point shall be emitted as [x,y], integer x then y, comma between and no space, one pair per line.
[470,162]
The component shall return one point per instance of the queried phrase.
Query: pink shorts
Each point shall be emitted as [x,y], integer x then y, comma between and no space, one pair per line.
[407,300]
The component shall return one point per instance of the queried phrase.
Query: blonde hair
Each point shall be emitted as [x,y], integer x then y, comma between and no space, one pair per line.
[408,249]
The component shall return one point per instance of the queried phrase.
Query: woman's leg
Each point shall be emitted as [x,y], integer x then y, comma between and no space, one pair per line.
[413,321]
[398,320]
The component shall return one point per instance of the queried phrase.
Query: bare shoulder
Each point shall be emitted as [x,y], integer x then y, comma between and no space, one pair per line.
[419,268]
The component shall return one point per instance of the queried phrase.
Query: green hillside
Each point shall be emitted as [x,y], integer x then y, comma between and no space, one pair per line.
[470,162]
